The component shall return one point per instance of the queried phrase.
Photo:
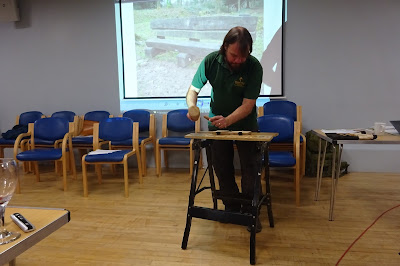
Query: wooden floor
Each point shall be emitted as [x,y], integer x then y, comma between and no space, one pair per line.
[147,227]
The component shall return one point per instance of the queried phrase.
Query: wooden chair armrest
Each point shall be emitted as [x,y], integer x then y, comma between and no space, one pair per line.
[18,141]
[67,140]
[260,111]
[297,139]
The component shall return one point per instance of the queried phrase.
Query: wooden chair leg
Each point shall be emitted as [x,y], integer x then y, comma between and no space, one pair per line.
[303,157]
[56,167]
[64,170]
[84,177]
[143,159]
[68,161]
[140,166]
[36,167]
[1,152]
[165,158]
[158,159]
[98,172]
[72,163]
[30,167]
[297,184]
[126,181]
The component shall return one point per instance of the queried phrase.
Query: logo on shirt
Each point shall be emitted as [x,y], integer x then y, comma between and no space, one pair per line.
[239,82]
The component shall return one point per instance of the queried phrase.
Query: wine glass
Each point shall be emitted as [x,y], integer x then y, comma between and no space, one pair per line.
[8,183]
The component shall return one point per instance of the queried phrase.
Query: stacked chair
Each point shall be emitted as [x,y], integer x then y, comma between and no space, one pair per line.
[147,134]
[22,119]
[83,139]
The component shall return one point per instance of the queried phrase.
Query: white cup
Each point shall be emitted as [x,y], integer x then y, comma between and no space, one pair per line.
[379,128]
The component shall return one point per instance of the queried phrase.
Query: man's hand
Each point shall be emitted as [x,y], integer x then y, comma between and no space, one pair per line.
[220,122]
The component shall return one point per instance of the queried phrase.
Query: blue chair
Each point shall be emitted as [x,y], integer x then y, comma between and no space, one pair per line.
[147,134]
[175,125]
[83,138]
[52,129]
[288,108]
[289,131]
[68,115]
[22,119]
[113,129]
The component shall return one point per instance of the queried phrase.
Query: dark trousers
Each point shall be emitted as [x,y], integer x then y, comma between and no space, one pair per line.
[222,159]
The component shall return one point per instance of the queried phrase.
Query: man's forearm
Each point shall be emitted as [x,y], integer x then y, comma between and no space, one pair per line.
[191,97]
[241,112]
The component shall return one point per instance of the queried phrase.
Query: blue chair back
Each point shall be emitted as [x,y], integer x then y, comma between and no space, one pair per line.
[51,128]
[96,115]
[281,124]
[177,121]
[287,108]
[116,128]
[29,117]
[69,115]
[140,116]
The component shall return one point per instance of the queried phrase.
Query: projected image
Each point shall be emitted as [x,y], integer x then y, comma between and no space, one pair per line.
[164,41]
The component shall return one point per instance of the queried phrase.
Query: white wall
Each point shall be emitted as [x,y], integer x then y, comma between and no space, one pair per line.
[341,64]
[61,56]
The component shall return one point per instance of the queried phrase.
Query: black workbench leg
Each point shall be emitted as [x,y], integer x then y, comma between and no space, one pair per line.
[253,242]
[192,194]
[254,212]
[208,144]
[268,197]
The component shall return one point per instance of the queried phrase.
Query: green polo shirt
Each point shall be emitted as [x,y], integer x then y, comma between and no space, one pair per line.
[230,88]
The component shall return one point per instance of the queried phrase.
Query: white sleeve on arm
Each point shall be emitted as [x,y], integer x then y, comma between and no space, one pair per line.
[193,88]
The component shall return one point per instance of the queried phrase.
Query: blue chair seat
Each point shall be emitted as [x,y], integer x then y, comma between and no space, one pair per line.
[281,159]
[174,141]
[43,142]
[82,140]
[40,155]
[7,141]
[116,156]
[126,142]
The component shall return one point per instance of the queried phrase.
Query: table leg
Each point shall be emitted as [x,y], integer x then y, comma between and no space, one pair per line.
[211,173]
[197,147]
[336,161]
[12,262]
[320,168]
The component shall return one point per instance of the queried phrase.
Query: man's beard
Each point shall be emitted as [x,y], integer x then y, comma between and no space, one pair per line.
[235,67]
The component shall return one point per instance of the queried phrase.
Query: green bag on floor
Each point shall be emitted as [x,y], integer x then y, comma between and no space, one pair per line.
[312,157]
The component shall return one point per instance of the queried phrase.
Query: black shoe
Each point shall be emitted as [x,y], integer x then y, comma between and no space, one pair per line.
[258,226]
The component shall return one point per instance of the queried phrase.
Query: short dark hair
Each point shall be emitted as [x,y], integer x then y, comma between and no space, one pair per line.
[240,35]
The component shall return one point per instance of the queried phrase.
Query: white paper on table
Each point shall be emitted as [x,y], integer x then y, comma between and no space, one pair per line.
[341,131]
[97,152]
[391,130]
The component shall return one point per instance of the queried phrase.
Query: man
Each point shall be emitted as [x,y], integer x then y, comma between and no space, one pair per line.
[235,77]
